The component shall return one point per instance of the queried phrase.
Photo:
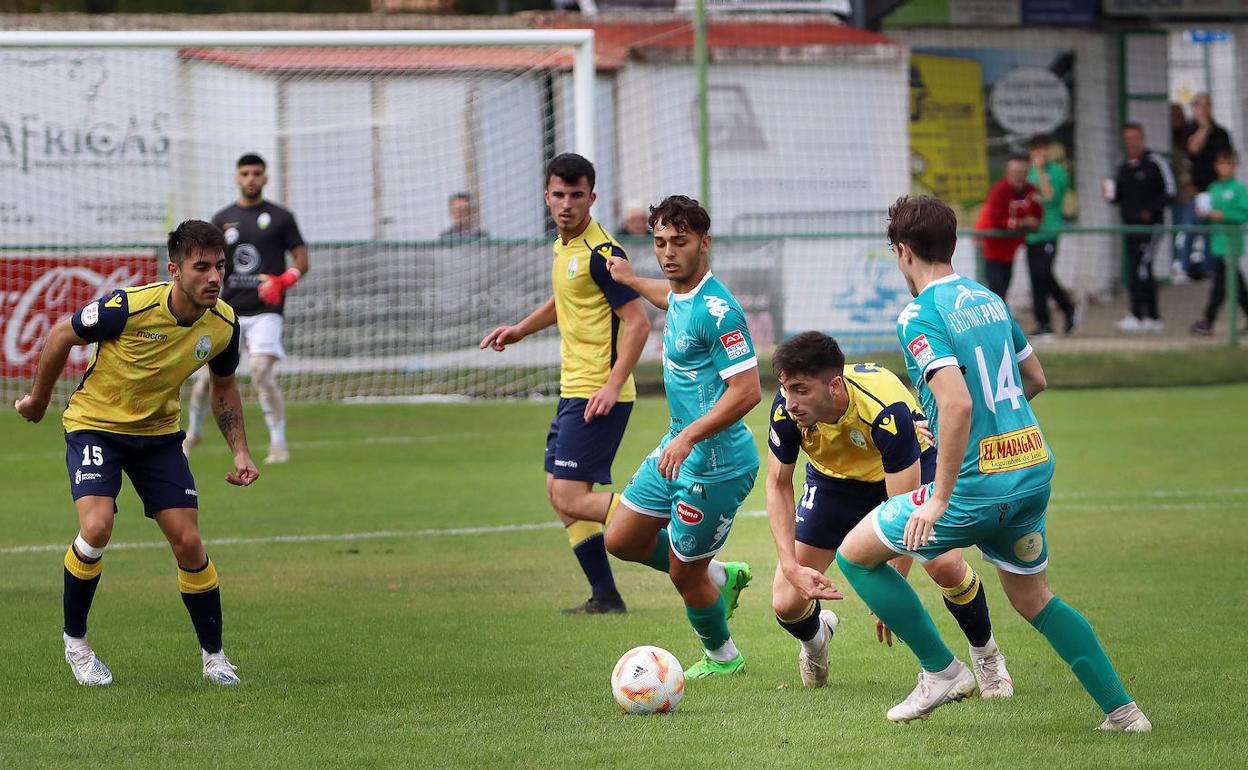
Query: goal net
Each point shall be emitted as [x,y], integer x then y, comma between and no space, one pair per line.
[376,142]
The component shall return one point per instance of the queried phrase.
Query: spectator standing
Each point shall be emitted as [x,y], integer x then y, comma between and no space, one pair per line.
[1052,182]
[1142,188]
[1205,141]
[1188,263]
[1013,203]
[1228,199]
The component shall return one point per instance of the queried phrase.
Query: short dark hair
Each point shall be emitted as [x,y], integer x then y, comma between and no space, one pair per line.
[928,226]
[459,196]
[683,213]
[813,354]
[1017,157]
[1230,155]
[192,236]
[1039,141]
[251,159]
[571,168]
[1133,126]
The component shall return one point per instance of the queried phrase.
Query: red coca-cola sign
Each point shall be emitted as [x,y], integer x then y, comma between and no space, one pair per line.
[36,292]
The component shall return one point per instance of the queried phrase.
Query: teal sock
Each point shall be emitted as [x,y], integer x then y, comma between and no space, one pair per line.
[662,553]
[1075,641]
[709,624]
[893,601]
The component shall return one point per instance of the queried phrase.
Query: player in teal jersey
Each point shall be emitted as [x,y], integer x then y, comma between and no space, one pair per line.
[975,374]
[682,500]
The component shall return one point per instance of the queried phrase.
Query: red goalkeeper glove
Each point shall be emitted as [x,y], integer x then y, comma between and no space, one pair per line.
[273,287]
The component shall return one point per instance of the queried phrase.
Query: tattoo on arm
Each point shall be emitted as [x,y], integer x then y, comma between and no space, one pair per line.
[227,407]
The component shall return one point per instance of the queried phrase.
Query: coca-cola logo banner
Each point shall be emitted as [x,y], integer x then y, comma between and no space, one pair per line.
[39,291]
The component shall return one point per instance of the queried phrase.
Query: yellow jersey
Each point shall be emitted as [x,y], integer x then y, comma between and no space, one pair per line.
[875,436]
[142,356]
[585,299]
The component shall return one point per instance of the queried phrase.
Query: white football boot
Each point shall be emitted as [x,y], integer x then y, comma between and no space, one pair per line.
[278,454]
[219,670]
[1127,719]
[814,668]
[87,667]
[990,672]
[933,691]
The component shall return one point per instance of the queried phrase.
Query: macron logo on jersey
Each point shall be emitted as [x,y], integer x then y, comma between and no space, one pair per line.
[717,307]
[735,345]
[921,351]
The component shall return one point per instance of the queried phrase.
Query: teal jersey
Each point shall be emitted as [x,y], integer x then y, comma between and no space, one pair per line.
[706,341]
[957,322]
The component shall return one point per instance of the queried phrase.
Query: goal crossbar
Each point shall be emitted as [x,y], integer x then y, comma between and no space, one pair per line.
[581,39]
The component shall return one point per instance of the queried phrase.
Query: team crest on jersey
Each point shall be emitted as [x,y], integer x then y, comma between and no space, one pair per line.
[718,307]
[203,347]
[231,233]
[264,220]
[735,344]
[921,351]
[859,440]
[573,265]
[90,314]
[687,513]
[683,341]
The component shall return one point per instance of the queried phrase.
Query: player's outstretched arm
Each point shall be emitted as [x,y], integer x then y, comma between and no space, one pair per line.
[61,339]
[655,290]
[227,407]
[539,319]
[742,394]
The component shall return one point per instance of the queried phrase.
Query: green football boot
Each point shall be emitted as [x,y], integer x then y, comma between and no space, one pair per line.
[739,576]
[710,667]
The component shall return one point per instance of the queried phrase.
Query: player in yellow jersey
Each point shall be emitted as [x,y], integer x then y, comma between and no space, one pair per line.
[856,423]
[124,417]
[603,328]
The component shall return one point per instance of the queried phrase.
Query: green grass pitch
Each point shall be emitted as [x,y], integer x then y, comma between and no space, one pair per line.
[437,642]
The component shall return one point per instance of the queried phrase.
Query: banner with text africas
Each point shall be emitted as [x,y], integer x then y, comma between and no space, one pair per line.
[86,143]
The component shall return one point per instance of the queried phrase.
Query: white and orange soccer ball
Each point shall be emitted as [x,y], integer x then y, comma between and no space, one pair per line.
[648,680]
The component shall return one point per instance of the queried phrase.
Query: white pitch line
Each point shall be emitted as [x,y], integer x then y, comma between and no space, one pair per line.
[344,537]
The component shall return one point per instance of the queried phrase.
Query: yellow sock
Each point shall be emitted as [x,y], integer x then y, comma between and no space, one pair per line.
[580,531]
[200,581]
[964,592]
[81,569]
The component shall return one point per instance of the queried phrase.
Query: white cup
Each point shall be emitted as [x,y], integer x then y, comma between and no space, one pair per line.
[1204,204]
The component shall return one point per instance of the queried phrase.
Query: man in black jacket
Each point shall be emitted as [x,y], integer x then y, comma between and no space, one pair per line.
[1142,189]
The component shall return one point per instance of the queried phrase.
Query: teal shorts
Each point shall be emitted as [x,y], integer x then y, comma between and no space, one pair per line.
[700,512]
[1010,533]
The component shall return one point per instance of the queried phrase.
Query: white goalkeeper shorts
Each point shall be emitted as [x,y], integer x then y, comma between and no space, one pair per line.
[262,334]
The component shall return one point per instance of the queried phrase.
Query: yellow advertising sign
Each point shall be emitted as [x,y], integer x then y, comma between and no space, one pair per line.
[1011,451]
[948,132]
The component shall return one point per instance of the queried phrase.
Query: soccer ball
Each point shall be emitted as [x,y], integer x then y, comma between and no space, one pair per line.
[648,680]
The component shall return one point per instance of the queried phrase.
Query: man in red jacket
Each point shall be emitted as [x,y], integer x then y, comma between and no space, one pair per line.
[1013,204]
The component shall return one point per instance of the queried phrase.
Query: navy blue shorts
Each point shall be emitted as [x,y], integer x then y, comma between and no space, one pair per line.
[155,464]
[583,451]
[829,508]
